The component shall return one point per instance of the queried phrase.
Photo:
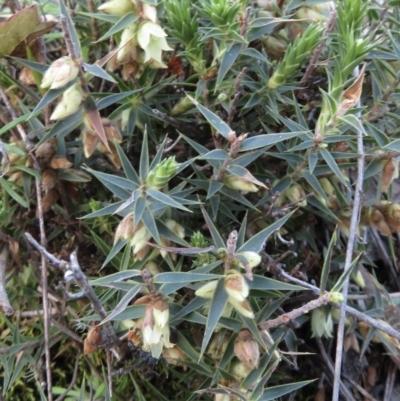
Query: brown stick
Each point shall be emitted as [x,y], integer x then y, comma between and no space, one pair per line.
[4,301]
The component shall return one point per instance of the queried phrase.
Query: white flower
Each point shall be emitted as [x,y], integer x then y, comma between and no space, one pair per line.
[118,7]
[155,337]
[128,43]
[151,38]
[59,73]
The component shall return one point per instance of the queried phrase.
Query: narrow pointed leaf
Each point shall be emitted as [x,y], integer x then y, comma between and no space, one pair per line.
[218,241]
[97,71]
[273,393]
[184,277]
[330,161]
[219,125]
[124,22]
[256,243]
[165,199]
[327,263]
[49,96]
[127,298]
[227,61]
[144,159]
[127,166]
[261,141]
[94,119]
[149,222]
[214,314]
[74,39]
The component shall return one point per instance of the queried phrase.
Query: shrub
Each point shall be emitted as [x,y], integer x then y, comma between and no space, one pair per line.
[174,175]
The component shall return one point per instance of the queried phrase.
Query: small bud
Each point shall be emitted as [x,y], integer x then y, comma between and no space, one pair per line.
[253,259]
[358,278]
[309,15]
[239,183]
[69,104]
[59,73]
[118,7]
[152,268]
[327,186]
[240,370]
[336,297]
[59,161]
[294,193]
[246,348]
[181,106]
[176,228]
[321,323]
[149,12]
[236,286]
[222,397]
[140,238]
[207,290]
[160,175]
[275,47]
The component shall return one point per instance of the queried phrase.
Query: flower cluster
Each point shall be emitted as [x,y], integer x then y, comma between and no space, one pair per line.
[235,285]
[140,43]
[140,238]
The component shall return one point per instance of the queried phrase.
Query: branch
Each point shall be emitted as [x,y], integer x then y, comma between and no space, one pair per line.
[73,270]
[4,301]
[287,317]
[351,311]
[355,219]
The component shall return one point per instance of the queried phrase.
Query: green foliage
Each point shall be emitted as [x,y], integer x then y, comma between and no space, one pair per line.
[199,157]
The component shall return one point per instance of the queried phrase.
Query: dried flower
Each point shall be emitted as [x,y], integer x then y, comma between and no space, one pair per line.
[389,173]
[58,161]
[46,148]
[236,286]
[246,348]
[93,340]
[49,179]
